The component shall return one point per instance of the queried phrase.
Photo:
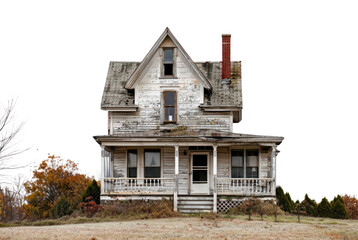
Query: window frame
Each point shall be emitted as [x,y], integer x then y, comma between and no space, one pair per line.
[160,161]
[166,63]
[245,161]
[129,150]
[175,107]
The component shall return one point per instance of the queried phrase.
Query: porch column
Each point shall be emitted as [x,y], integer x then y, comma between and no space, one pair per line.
[176,178]
[273,170]
[215,173]
[103,156]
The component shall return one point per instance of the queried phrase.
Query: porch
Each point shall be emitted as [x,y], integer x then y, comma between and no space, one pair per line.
[186,173]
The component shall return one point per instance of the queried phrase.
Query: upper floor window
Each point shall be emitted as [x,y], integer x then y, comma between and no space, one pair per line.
[168,62]
[170,106]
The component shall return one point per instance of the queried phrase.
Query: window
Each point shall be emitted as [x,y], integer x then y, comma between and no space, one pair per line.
[132,164]
[152,164]
[252,164]
[170,102]
[168,62]
[248,161]
[237,164]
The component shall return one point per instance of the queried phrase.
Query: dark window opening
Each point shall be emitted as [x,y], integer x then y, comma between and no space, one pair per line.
[168,62]
[152,163]
[168,69]
[170,106]
[132,163]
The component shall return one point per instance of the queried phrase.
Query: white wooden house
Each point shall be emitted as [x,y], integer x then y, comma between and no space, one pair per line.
[170,132]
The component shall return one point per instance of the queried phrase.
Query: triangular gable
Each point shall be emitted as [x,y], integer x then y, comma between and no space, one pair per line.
[167,33]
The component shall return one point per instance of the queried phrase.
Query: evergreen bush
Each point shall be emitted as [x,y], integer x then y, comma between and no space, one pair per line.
[62,208]
[309,206]
[338,208]
[324,208]
[92,190]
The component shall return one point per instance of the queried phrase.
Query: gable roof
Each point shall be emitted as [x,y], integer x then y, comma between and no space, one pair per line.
[167,33]
[115,95]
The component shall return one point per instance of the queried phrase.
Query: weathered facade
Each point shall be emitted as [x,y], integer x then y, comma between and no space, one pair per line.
[170,132]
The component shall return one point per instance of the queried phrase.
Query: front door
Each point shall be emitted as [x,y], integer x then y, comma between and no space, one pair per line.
[200,173]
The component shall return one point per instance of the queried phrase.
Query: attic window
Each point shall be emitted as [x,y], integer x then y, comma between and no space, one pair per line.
[168,62]
[170,108]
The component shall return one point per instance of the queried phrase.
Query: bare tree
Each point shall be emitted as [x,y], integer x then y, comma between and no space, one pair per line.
[9,129]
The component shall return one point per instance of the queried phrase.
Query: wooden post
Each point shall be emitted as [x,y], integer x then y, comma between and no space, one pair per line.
[273,159]
[176,178]
[215,173]
[103,155]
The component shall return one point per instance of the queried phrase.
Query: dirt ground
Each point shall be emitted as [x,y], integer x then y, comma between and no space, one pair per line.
[191,228]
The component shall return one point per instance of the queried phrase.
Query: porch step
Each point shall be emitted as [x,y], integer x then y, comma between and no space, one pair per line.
[195,204]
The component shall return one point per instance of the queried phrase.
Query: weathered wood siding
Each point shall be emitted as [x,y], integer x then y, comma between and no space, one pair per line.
[264,167]
[223,162]
[149,98]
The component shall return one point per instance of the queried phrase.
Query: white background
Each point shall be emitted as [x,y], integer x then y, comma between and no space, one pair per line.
[299,73]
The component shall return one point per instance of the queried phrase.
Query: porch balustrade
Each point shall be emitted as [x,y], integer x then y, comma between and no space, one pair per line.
[139,185]
[245,186]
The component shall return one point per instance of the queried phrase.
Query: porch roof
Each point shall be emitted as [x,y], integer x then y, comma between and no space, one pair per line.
[182,134]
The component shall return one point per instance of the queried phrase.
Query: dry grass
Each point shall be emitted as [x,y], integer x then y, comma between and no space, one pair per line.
[205,227]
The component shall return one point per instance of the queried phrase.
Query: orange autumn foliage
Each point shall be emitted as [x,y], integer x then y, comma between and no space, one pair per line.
[51,180]
[351,203]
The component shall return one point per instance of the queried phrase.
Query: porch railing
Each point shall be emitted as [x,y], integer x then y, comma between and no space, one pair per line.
[245,186]
[139,185]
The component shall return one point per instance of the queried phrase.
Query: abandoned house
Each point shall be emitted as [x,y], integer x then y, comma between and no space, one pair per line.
[170,133]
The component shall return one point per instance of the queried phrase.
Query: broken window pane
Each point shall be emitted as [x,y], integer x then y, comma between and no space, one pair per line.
[170,114]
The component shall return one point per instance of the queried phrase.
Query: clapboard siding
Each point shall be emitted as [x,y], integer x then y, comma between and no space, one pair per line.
[149,99]
[169,168]
[119,163]
[264,168]
[223,162]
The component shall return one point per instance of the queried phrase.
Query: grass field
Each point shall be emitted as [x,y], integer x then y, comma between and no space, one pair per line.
[228,227]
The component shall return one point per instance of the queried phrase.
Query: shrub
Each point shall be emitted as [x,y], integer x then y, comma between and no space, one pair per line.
[309,206]
[62,208]
[128,209]
[256,206]
[339,210]
[284,200]
[324,208]
[351,204]
[92,190]
[90,207]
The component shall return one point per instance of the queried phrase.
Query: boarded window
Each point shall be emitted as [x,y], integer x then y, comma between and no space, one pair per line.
[132,163]
[152,163]
[237,164]
[170,108]
[168,62]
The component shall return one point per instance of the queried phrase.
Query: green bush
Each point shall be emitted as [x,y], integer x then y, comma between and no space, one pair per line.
[284,200]
[92,190]
[324,208]
[309,206]
[62,208]
[338,208]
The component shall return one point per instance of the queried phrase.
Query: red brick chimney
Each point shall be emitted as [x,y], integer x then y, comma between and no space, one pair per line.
[226,63]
